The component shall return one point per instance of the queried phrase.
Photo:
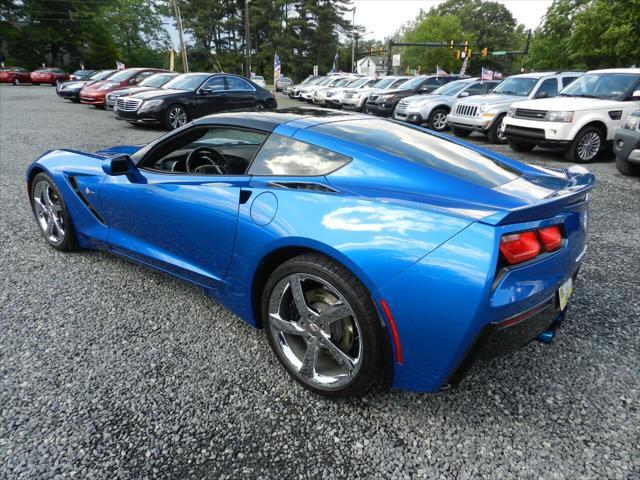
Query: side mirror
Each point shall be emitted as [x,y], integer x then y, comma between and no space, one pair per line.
[636,95]
[464,94]
[120,165]
[205,91]
[541,95]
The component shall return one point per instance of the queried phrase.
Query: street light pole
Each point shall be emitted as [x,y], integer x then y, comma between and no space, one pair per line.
[183,50]
[353,41]
[247,40]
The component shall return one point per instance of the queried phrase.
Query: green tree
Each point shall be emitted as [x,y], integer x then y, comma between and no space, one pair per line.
[433,27]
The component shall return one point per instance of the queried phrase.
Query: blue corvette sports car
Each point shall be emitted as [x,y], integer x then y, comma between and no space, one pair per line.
[371,252]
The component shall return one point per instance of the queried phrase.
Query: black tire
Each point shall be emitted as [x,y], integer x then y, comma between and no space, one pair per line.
[493,134]
[575,152]
[520,146]
[364,108]
[434,122]
[625,167]
[68,241]
[460,132]
[375,355]
[169,124]
[16,82]
[35,83]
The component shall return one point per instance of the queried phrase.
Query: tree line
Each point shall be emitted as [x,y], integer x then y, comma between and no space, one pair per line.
[574,34]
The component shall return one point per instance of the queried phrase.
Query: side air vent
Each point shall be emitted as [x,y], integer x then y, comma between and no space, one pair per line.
[317,187]
[74,185]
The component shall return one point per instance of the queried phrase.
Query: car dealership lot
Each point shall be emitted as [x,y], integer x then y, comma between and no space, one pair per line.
[108,369]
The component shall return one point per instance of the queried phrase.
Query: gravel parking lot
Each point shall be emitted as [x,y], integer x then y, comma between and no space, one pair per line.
[111,370]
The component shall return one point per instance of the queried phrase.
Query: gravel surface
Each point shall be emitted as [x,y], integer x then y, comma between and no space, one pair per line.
[110,370]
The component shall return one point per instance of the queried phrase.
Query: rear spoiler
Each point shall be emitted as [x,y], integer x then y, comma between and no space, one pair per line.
[580,182]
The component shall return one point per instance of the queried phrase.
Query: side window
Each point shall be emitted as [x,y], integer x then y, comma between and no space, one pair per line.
[236,84]
[214,84]
[567,80]
[475,89]
[282,155]
[488,86]
[549,86]
[210,151]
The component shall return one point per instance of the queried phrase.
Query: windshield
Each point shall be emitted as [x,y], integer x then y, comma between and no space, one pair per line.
[121,75]
[102,75]
[452,88]
[601,85]
[82,72]
[413,83]
[186,82]
[157,80]
[257,77]
[399,82]
[521,86]
[384,82]
[358,81]
[343,83]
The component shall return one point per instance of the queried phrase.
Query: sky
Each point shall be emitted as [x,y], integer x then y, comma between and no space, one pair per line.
[383,17]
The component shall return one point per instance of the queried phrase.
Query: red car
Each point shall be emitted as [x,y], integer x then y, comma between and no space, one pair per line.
[96,93]
[15,75]
[52,76]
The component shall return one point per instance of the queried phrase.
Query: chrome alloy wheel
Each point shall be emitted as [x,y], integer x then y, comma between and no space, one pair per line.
[316,331]
[589,146]
[502,136]
[177,117]
[440,121]
[48,209]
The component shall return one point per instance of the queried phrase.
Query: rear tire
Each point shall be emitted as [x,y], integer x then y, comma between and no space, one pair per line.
[51,214]
[625,167]
[438,120]
[586,146]
[460,132]
[520,147]
[336,356]
[495,134]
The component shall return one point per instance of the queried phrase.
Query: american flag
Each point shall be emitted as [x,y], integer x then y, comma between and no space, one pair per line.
[486,74]
[440,72]
[276,68]
[497,75]
[119,65]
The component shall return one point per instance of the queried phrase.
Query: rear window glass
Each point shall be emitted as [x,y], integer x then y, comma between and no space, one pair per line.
[282,155]
[419,147]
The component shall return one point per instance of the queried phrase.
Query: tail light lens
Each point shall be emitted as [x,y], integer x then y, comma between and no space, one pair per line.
[551,238]
[520,247]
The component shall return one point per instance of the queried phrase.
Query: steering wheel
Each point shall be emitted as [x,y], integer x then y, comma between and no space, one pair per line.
[206,160]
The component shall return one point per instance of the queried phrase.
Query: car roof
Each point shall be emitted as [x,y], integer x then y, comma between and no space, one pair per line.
[616,70]
[298,117]
[544,74]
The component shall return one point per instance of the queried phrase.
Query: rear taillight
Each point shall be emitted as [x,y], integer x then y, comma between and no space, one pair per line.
[551,238]
[520,247]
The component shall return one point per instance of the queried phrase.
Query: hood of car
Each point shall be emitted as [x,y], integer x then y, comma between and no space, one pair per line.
[492,99]
[425,99]
[571,104]
[159,93]
[132,90]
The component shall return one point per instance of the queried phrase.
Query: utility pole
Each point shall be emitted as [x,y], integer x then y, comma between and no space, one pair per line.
[353,41]
[247,40]
[185,63]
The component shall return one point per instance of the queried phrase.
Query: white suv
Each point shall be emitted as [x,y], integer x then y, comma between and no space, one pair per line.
[581,119]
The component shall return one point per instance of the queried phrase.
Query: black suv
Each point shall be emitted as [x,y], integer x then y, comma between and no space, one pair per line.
[384,103]
[193,95]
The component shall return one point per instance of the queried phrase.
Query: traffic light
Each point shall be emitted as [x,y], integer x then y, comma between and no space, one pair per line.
[466,46]
[485,52]
[451,43]
[458,54]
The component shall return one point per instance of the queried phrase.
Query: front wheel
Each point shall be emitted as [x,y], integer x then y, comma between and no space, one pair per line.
[51,214]
[438,120]
[586,146]
[495,133]
[625,167]
[520,147]
[323,327]
[176,117]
